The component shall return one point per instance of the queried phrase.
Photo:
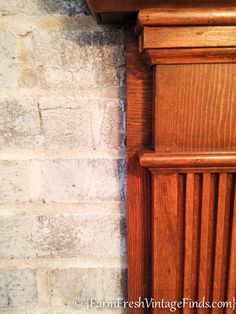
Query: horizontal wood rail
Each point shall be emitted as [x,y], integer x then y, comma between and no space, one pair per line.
[190,55]
[194,160]
[190,36]
[182,15]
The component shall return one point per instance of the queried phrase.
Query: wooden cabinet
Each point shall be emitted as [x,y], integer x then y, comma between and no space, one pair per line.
[181,152]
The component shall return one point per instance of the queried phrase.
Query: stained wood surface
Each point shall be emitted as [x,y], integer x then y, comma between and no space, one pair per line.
[167,238]
[182,15]
[139,127]
[151,159]
[195,108]
[186,37]
[194,237]
[139,97]
[190,55]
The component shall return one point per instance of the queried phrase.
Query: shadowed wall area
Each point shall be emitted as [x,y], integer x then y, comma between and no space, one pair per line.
[62,158]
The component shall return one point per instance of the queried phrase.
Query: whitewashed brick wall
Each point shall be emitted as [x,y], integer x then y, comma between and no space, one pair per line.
[62,161]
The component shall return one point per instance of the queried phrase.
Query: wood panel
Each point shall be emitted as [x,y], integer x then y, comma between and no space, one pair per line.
[193,237]
[182,37]
[195,108]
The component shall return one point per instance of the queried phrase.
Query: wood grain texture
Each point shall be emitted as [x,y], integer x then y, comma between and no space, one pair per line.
[194,237]
[151,159]
[186,37]
[190,55]
[139,126]
[167,244]
[182,15]
[222,235]
[139,97]
[139,236]
[207,236]
[195,108]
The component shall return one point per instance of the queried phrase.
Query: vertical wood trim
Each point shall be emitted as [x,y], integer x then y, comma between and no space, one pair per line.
[166,238]
[222,233]
[232,268]
[189,240]
[206,238]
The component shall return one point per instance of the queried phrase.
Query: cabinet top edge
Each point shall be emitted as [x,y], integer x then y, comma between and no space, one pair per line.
[186,15]
[120,11]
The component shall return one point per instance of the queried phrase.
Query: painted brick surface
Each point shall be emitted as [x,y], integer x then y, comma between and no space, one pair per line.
[14,185]
[18,288]
[8,60]
[70,284]
[20,125]
[31,7]
[85,234]
[84,180]
[62,163]
[71,122]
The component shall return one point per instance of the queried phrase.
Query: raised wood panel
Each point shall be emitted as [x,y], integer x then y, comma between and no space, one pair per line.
[194,236]
[195,108]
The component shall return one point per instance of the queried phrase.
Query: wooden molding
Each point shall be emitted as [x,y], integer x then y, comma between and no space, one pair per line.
[181,115]
[188,37]
[182,16]
[121,11]
[191,160]
[190,55]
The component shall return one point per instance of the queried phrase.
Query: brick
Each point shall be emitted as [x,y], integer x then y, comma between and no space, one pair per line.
[69,284]
[84,180]
[73,53]
[31,7]
[20,125]
[70,7]
[18,288]
[14,185]
[69,235]
[8,60]
[72,123]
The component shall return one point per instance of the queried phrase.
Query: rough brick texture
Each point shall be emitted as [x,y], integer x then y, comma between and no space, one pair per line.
[62,163]
[17,288]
